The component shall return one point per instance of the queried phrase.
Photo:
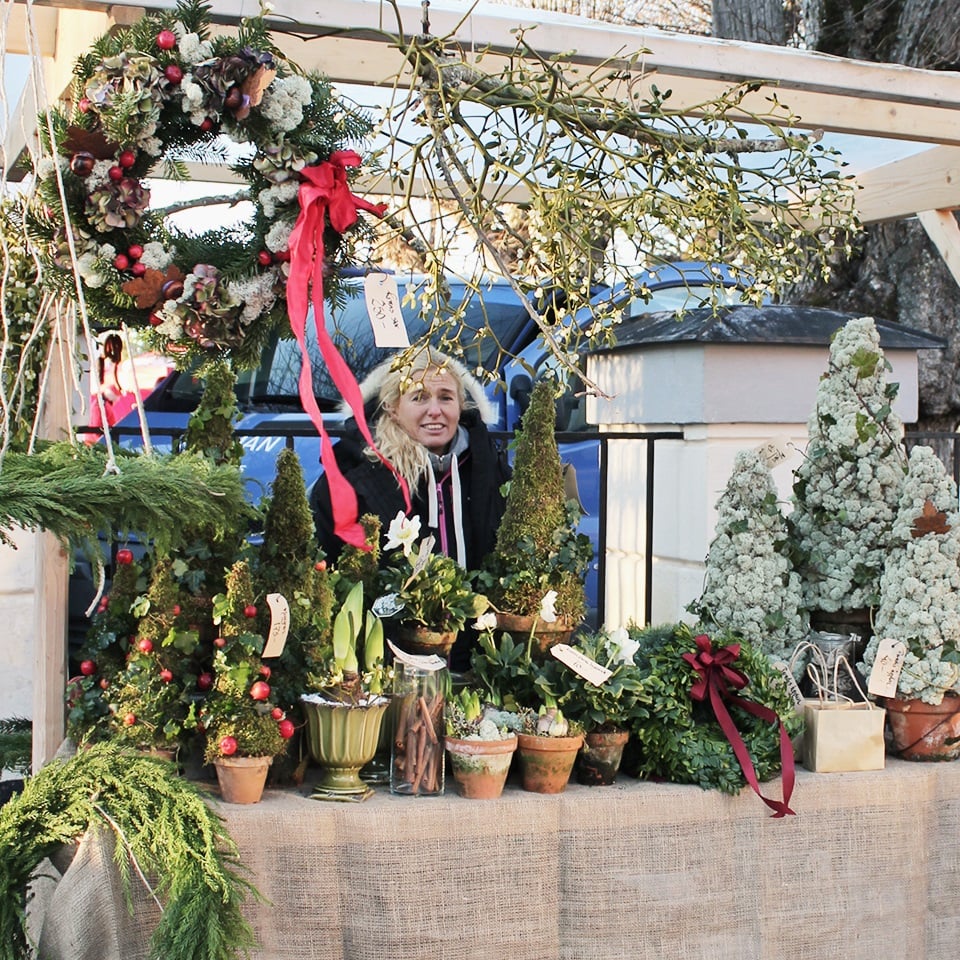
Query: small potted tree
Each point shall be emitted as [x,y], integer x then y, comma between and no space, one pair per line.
[244,729]
[538,552]
[920,607]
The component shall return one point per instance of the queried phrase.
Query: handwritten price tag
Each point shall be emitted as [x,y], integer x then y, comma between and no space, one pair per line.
[582,665]
[383,307]
[886,668]
[793,687]
[422,661]
[772,452]
[279,625]
[423,555]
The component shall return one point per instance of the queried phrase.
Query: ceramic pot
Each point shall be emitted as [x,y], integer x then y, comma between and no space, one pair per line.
[545,634]
[418,639]
[546,762]
[600,757]
[342,737]
[242,779]
[480,767]
[924,731]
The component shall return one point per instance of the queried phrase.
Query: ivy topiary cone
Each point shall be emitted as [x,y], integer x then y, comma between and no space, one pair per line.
[535,506]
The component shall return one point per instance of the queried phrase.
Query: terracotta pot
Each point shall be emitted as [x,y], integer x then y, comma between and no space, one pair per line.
[545,634]
[925,731]
[480,767]
[242,779]
[342,737]
[418,639]
[546,762]
[600,757]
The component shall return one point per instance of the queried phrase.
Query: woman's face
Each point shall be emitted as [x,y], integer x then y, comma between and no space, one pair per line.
[430,410]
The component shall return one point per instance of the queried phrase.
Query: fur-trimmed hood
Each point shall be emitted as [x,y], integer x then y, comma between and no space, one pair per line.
[476,397]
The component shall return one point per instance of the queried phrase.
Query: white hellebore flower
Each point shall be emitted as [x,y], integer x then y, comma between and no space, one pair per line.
[403,532]
[486,621]
[548,612]
[622,646]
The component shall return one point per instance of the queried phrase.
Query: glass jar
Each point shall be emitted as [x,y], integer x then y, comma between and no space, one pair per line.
[417,744]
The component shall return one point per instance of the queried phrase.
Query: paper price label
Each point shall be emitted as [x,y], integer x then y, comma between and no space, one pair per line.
[582,665]
[383,307]
[886,668]
[389,605]
[772,452]
[428,661]
[279,625]
[423,555]
[793,688]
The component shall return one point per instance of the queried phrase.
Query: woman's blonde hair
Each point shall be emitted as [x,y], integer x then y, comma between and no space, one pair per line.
[409,457]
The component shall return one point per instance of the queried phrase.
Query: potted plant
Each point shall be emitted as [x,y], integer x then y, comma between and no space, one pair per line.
[846,490]
[244,729]
[547,747]
[481,740]
[602,706]
[920,608]
[538,551]
[345,707]
[432,594]
[750,587]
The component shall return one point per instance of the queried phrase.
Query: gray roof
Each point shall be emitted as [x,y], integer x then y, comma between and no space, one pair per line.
[773,323]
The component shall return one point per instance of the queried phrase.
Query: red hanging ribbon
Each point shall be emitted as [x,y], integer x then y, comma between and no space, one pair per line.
[324,193]
[719,680]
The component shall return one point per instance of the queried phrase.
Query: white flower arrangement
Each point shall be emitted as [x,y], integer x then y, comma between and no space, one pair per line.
[846,491]
[920,586]
[750,586]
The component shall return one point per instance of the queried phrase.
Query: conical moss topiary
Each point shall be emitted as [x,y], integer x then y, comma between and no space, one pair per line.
[537,548]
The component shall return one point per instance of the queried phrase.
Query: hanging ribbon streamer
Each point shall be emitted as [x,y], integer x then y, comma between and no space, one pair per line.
[719,680]
[325,194]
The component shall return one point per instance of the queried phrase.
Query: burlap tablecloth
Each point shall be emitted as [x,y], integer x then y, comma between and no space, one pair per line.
[869,868]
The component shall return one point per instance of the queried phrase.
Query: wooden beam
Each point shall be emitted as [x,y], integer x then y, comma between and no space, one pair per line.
[929,180]
[944,231]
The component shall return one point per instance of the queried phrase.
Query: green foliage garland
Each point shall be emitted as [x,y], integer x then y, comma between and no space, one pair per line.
[161,822]
[680,739]
[67,490]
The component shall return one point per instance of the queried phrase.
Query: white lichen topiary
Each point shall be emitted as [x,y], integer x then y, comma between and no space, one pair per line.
[750,586]
[846,490]
[920,586]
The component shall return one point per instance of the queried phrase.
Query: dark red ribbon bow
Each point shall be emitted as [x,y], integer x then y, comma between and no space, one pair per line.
[325,195]
[718,681]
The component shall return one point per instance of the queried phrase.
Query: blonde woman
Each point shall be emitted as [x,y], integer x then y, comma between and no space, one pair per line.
[429,421]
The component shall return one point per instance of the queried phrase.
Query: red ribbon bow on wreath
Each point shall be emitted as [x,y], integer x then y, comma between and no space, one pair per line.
[325,194]
[718,680]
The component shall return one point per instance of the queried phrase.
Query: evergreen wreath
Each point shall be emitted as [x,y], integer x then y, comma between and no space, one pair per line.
[149,99]
[679,738]
[163,829]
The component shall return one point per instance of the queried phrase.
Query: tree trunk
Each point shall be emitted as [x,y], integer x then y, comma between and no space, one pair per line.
[762,21]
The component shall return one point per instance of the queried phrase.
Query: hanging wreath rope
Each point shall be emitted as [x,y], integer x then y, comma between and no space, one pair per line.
[149,100]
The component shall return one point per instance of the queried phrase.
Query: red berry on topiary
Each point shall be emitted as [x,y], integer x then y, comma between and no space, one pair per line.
[88,668]
[135,251]
[282,256]
[130,719]
[138,269]
[220,642]
[104,683]
[264,258]
[85,104]
[166,675]
[276,713]
[124,558]
[320,565]
[250,611]
[121,261]
[286,729]
[265,671]
[127,159]
[173,73]
[204,681]
[177,609]
[145,645]
[116,174]
[260,690]
[206,125]
[228,746]
[166,39]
